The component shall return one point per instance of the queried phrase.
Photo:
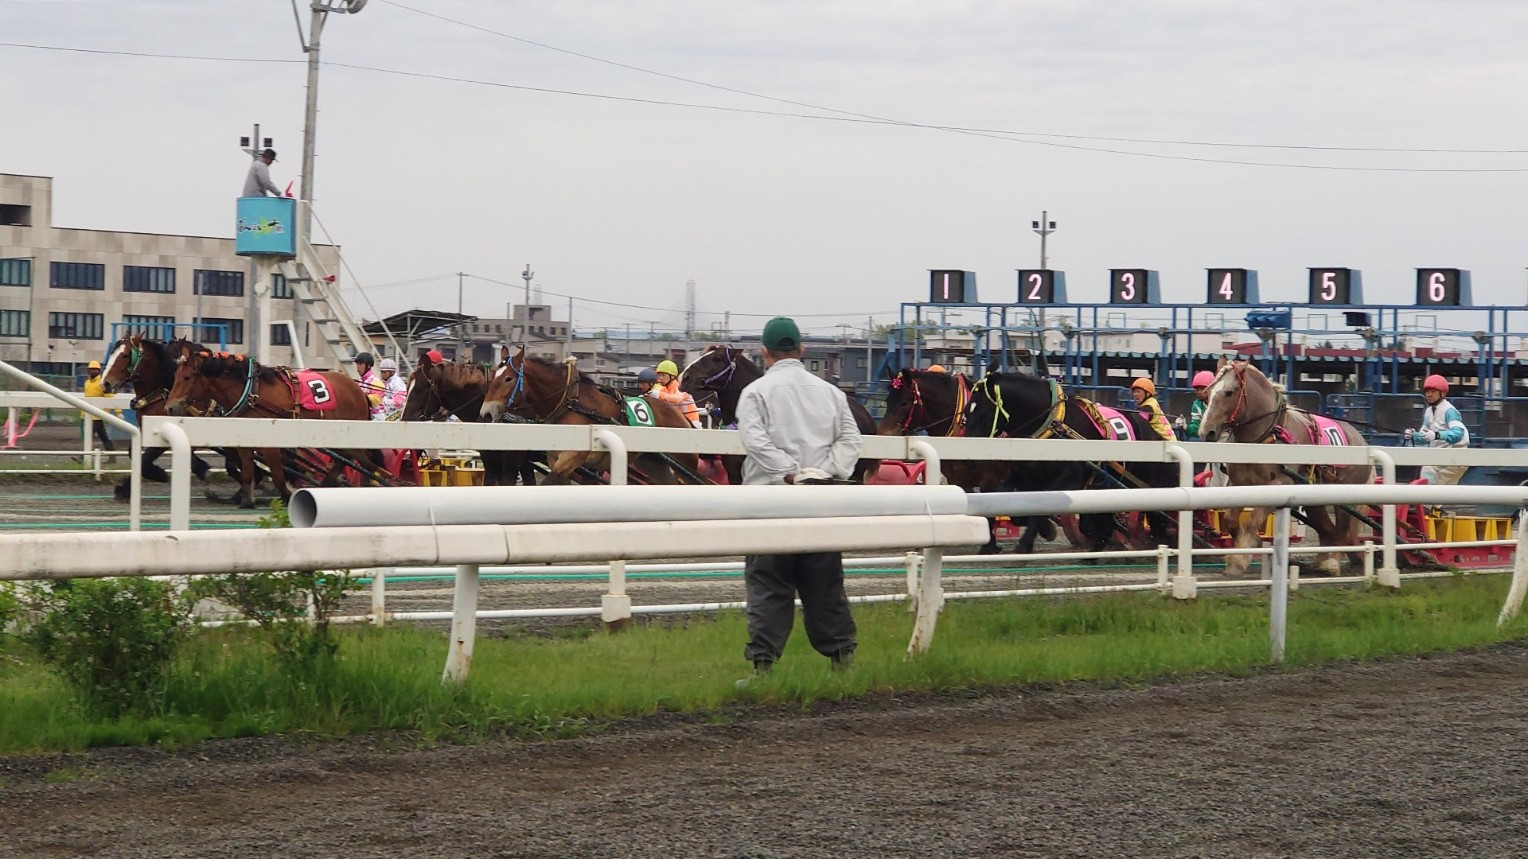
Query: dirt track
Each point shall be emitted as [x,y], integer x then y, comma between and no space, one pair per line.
[1406,759]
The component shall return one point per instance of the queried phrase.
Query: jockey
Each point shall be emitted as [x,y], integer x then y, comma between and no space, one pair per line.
[371,385]
[1441,427]
[1145,393]
[394,390]
[667,390]
[1201,385]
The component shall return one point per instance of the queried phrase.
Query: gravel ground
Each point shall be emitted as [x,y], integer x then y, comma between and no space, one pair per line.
[1410,758]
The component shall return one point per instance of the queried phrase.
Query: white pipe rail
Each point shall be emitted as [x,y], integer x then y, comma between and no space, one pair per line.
[135,483]
[523,505]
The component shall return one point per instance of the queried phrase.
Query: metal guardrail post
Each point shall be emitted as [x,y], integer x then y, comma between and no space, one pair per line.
[379,596]
[615,605]
[180,476]
[932,473]
[1389,572]
[1514,603]
[1184,586]
[464,604]
[1278,594]
[930,601]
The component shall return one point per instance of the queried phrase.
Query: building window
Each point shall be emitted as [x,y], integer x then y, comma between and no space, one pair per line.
[15,272]
[15,215]
[281,335]
[15,323]
[153,327]
[78,275]
[209,282]
[279,286]
[142,278]
[76,326]
[209,333]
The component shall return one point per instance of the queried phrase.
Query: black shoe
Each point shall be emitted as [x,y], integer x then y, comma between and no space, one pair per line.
[843,660]
[760,668]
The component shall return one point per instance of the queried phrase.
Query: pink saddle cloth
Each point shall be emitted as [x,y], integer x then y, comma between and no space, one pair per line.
[1327,431]
[315,393]
[1118,423]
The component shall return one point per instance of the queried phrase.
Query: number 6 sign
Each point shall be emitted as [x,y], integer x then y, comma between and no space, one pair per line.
[1443,287]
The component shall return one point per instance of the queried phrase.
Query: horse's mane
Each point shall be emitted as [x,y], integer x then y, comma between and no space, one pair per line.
[225,364]
[463,374]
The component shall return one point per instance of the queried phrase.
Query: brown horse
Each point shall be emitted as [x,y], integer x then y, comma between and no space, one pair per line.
[444,391]
[1245,407]
[149,366]
[563,395]
[717,378]
[227,385]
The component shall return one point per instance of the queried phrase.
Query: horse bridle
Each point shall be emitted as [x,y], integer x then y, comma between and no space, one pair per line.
[1277,414]
[440,401]
[957,420]
[730,355]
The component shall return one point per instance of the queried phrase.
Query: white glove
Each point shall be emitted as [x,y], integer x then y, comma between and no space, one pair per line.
[1426,436]
[1180,423]
[809,475]
[1409,433]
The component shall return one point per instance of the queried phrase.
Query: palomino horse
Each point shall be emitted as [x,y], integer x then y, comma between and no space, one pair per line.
[1246,407]
[149,366]
[1018,405]
[719,376]
[443,391]
[923,403]
[225,385]
[563,395]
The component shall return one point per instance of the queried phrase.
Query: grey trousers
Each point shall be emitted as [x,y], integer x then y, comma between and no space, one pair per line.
[774,581]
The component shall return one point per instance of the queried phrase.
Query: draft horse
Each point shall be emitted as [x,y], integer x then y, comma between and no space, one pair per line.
[1246,407]
[717,378]
[438,392]
[149,366]
[920,402]
[1018,405]
[563,395]
[225,385]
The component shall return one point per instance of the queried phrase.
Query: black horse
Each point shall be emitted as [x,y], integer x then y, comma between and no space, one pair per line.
[1017,405]
[716,380]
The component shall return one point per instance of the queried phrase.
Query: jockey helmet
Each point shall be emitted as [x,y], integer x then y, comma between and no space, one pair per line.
[647,374]
[936,368]
[388,364]
[1437,383]
[434,357]
[365,358]
[668,367]
[1203,379]
[1144,384]
[93,365]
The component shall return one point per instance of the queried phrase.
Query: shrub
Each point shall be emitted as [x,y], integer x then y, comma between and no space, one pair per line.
[293,608]
[111,639]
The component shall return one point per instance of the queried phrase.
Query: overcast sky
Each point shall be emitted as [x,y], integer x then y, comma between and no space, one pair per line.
[625,200]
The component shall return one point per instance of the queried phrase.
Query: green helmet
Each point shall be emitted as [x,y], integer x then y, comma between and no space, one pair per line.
[668,367]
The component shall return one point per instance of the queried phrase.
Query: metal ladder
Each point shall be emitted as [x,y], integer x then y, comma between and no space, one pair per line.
[317,291]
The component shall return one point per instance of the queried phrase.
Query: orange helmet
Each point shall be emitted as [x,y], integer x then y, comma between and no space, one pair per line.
[1437,383]
[1144,384]
[936,368]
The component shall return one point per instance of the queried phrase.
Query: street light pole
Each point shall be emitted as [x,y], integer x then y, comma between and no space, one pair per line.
[461,325]
[1044,227]
[525,323]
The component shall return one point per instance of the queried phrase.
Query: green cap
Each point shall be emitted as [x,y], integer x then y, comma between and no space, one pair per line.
[781,335]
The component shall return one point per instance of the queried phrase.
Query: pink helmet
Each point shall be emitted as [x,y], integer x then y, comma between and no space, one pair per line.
[1437,383]
[1203,379]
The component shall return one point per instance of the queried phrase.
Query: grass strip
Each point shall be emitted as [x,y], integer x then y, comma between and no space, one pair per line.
[226,683]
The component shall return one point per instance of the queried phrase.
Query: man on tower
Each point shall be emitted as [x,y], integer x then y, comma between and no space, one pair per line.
[257,183]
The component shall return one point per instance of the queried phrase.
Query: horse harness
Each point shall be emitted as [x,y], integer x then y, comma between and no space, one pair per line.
[1276,432]
[957,420]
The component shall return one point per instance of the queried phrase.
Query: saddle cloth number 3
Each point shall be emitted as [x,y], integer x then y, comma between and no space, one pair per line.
[318,389]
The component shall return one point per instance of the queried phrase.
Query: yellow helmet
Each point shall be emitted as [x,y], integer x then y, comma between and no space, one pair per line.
[668,367]
[1144,384]
[936,368]
[93,365]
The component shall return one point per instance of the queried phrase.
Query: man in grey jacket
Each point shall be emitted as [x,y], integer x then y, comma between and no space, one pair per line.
[796,428]
[257,183]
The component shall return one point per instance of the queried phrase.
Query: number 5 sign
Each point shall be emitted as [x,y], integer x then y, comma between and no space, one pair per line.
[1339,286]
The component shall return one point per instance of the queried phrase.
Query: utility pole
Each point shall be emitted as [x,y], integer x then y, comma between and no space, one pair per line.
[257,310]
[1044,227]
[627,355]
[525,324]
[869,350]
[689,316]
[461,326]
[310,115]
[568,348]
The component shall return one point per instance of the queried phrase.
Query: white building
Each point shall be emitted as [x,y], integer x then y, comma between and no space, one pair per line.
[62,289]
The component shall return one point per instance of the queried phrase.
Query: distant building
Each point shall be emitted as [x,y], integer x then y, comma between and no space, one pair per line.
[62,289]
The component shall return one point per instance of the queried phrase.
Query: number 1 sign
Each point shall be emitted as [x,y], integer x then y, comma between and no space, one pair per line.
[951,286]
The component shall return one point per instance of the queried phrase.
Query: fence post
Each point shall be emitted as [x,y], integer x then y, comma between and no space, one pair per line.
[379,596]
[1278,591]
[1184,586]
[615,604]
[1389,573]
[180,475]
[930,601]
[463,624]
[911,562]
[932,473]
